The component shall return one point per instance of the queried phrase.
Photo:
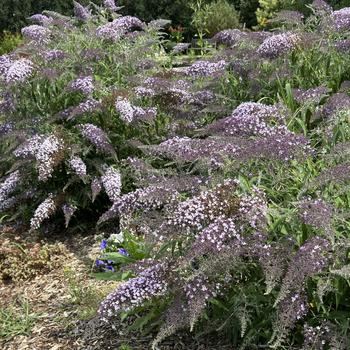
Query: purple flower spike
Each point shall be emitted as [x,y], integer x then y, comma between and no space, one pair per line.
[103,244]
[81,12]
[100,263]
[123,251]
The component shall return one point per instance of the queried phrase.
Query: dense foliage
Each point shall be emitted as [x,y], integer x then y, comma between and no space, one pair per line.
[221,181]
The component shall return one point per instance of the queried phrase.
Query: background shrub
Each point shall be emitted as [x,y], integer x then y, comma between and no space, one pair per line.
[9,41]
[213,17]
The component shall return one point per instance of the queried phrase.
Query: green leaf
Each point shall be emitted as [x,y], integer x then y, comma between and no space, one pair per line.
[117,258]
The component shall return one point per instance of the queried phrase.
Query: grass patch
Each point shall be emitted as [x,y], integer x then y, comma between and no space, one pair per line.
[16,319]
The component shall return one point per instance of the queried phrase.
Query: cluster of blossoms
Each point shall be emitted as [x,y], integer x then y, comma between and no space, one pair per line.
[18,71]
[89,106]
[142,91]
[81,12]
[78,166]
[185,149]
[47,156]
[85,85]
[110,5]
[129,113]
[292,309]
[321,7]
[229,37]
[337,174]
[316,337]
[316,213]
[5,128]
[313,95]
[253,208]
[12,201]
[41,19]
[205,68]
[129,22]
[198,291]
[282,145]
[54,54]
[145,199]
[118,27]
[109,31]
[343,45]
[149,284]
[341,19]
[180,47]
[5,63]
[9,185]
[216,237]
[311,259]
[68,212]
[336,103]
[248,119]
[47,150]
[97,137]
[112,183]
[278,45]
[44,211]
[199,211]
[37,34]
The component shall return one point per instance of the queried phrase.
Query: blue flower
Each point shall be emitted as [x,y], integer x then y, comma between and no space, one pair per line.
[123,251]
[103,244]
[99,263]
[110,268]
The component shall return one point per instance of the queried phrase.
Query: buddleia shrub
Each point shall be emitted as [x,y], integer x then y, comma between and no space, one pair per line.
[66,111]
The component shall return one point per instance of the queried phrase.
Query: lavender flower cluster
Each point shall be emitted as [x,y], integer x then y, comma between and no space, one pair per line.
[217,236]
[185,149]
[47,151]
[253,208]
[313,95]
[112,184]
[316,337]
[18,71]
[199,211]
[311,259]
[55,54]
[110,5]
[278,45]
[144,199]
[78,166]
[248,119]
[205,68]
[85,85]
[149,284]
[44,211]
[97,137]
[316,213]
[229,37]
[38,34]
[9,185]
[80,12]
[41,19]
[341,19]
[129,113]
